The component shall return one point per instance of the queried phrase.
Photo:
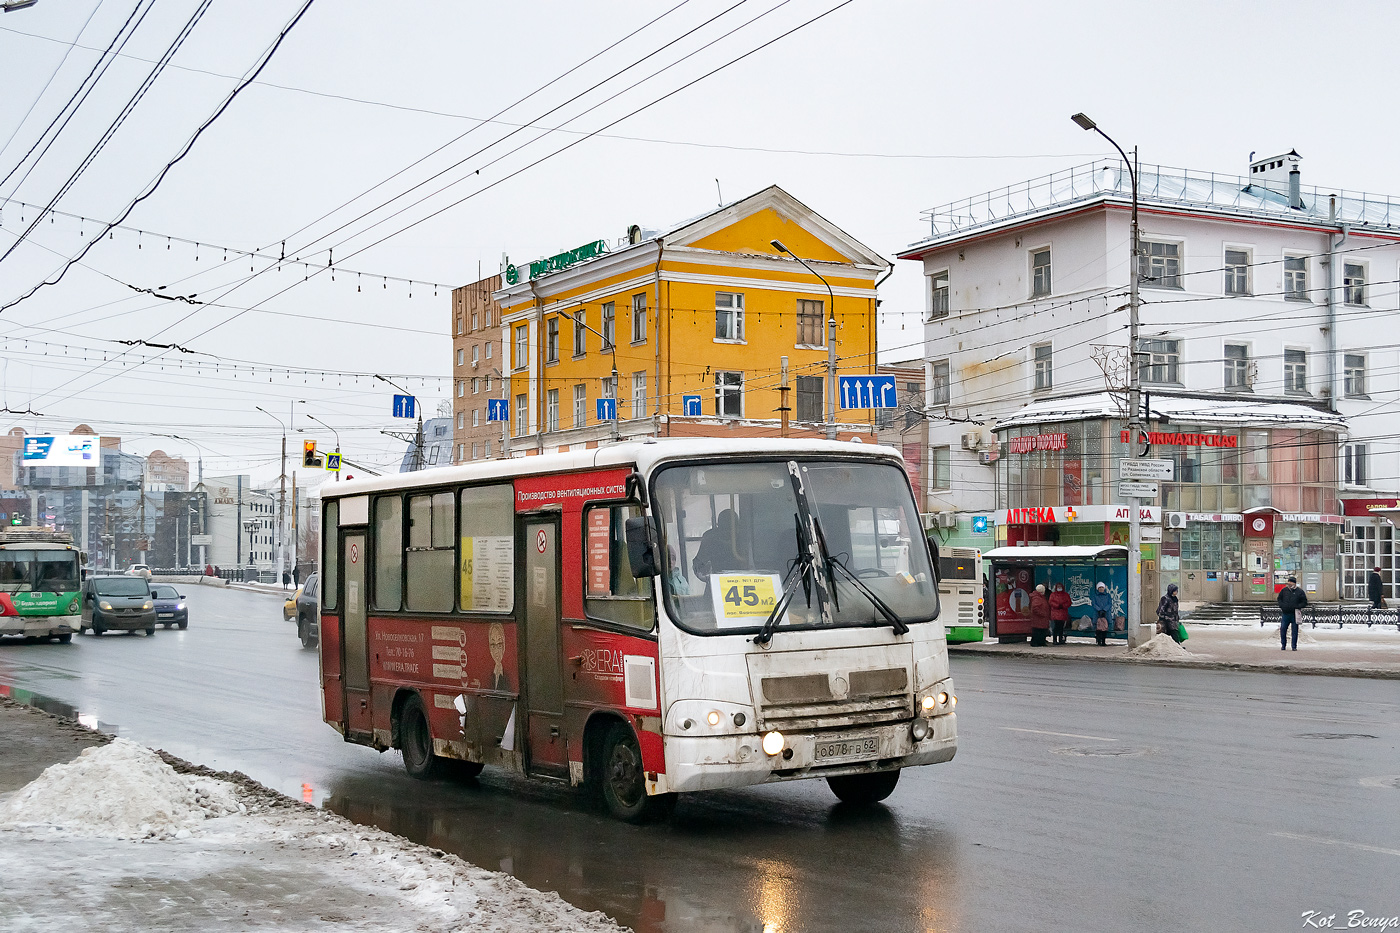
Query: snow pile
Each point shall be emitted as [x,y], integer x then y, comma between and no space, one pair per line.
[120,790]
[1160,648]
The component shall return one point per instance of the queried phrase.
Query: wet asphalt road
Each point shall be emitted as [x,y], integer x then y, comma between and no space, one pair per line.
[1094,797]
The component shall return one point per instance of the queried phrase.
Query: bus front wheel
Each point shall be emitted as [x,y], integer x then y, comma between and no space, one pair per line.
[623,780]
[866,788]
[416,741]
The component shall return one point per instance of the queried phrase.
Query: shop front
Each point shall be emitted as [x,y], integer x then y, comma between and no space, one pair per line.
[1368,543]
[1252,499]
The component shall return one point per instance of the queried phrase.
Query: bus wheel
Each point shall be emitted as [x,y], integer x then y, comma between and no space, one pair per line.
[860,789]
[65,639]
[624,787]
[416,741]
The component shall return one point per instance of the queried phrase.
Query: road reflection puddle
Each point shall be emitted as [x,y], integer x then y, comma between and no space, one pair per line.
[58,708]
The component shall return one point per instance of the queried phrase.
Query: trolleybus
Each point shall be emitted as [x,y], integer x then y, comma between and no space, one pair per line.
[960,595]
[646,618]
[40,583]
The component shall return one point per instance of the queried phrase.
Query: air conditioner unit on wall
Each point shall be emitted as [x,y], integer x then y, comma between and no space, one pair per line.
[947,519]
[970,440]
[1176,519]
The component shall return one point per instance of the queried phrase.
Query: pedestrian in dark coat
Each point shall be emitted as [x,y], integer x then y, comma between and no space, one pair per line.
[1059,614]
[1291,601]
[1102,604]
[1040,616]
[1375,589]
[1169,615]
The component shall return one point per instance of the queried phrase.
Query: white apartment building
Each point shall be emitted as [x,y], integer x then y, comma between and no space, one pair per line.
[1268,361]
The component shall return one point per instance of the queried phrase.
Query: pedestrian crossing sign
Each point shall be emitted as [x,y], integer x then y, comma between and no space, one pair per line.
[333,462]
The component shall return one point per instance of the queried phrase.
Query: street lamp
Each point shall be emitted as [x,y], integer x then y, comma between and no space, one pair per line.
[282,500]
[611,345]
[830,342]
[1135,633]
[418,438]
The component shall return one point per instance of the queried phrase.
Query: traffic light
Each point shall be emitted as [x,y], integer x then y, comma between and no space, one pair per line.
[308,454]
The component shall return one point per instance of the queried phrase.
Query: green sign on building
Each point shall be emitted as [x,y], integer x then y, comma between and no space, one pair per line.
[557,263]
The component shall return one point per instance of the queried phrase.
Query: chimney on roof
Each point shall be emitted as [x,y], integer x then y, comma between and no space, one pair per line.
[1279,173]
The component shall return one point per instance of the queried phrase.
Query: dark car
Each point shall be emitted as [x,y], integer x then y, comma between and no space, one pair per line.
[309,611]
[170,606]
[119,603]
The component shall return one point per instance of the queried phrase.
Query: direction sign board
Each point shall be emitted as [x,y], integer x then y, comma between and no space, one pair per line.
[497,410]
[607,409]
[333,462]
[405,406]
[201,540]
[1130,468]
[690,404]
[868,392]
[1133,489]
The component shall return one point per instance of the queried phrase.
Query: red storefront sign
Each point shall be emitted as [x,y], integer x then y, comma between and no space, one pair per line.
[1170,439]
[1032,442]
[1259,525]
[1367,506]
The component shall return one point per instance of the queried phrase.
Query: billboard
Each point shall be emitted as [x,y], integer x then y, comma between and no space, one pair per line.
[78,450]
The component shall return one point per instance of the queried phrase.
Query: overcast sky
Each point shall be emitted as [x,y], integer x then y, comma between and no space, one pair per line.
[870,115]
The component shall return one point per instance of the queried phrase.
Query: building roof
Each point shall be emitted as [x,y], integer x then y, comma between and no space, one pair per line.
[1107,181]
[1186,409]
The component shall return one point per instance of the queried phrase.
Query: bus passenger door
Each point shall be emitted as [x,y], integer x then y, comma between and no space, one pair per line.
[354,664]
[542,686]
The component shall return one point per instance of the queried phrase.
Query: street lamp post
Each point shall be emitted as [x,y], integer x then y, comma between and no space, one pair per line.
[282,500]
[505,424]
[830,342]
[1135,630]
[611,345]
[418,438]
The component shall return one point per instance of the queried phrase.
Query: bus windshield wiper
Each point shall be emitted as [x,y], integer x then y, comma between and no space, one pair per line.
[800,564]
[899,625]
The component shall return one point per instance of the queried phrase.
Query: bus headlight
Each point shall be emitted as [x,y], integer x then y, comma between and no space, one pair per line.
[928,704]
[773,743]
[713,718]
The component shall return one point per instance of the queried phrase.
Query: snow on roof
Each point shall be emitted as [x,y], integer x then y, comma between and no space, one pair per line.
[1184,409]
[1055,552]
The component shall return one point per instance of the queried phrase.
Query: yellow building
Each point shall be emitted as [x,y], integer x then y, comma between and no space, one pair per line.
[703,324]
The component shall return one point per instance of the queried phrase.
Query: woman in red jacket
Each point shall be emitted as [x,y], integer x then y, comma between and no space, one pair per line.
[1040,616]
[1059,614]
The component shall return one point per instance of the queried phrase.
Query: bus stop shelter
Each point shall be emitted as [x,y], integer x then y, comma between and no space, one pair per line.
[1014,573]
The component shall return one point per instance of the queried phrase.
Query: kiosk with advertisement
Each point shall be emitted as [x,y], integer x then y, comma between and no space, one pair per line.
[1015,571]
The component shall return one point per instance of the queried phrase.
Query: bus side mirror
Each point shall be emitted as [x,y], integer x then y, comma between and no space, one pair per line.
[933,552]
[641,547]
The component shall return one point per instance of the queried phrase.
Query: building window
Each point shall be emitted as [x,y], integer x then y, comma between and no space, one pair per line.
[1354,283]
[1044,367]
[938,385]
[461,420]
[461,355]
[810,390]
[1354,464]
[461,452]
[609,324]
[522,414]
[1354,375]
[551,339]
[1040,273]
[522,345]
[1295,371]
[476,451]
[1159,264]
[940,463]
[487,386]
[476,355]
[607,387]
[1295,278]
[580,405]
[1237,367]
[729,395]
[913,407]
[729,316]
[580,333]
[1161,361]
[459,325]
[474,319]
[476,417]
[1236,272]
[551,410]
[487,452]
[476,384]
[639,318]
[809,323]
[488,351]
[939,298]
[639,395]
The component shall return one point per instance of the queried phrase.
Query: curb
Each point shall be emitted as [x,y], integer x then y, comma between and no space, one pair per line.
[1372,673]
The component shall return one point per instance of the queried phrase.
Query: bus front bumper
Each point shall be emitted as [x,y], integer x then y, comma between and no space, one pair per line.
[40,626]
[714,762]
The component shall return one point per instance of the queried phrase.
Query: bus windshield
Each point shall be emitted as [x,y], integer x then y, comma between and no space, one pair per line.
[23,571]
[735,540]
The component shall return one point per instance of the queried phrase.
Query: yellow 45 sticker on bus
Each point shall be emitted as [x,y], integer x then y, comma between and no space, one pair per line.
[742,599]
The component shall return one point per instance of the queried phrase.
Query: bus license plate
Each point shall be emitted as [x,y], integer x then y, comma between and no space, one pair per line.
[863,746]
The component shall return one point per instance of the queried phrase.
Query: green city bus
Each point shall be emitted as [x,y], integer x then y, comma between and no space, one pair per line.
[40,584]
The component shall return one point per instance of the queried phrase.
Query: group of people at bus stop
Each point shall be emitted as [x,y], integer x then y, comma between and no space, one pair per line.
[1050,614]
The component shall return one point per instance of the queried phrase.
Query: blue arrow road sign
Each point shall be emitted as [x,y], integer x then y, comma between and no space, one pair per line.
[404,406]
[497,410]
[690,404]
[607,409]
[868,392]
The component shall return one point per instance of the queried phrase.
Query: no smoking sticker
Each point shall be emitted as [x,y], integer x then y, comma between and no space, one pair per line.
[541,540]
[354,553]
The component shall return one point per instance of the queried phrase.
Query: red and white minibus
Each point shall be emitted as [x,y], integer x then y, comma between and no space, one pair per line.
[649,618]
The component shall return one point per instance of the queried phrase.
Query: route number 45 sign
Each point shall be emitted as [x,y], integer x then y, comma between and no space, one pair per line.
[744,599]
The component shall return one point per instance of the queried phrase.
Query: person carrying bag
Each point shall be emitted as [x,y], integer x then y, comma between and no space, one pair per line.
[1169,615]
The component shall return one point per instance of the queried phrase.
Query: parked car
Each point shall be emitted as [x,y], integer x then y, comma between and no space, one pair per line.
[309,612]
[118,603]
[289,608]
[170,606]
[140,570]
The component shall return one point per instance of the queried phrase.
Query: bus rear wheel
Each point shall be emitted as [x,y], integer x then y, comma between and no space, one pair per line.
[624,780]
[862,789]
[416,741]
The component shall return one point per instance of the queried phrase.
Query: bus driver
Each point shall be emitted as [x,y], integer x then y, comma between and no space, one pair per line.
[719,550]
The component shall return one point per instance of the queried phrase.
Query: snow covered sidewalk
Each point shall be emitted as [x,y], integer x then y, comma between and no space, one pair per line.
[120,840]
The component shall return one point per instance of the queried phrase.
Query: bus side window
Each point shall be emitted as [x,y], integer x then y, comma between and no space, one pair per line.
[611,592]
[388,552]
[330,553]
[486,559]
[430,557]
